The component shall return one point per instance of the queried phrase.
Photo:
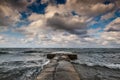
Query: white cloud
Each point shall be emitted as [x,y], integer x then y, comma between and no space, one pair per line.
[2,40]
[8,15]
[107,16]
[35,17]
[111,34]
[114,25]
[51,10]
[88,8]
[110,38]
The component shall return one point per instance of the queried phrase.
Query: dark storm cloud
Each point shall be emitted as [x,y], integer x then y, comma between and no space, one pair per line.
[9,10]
[17,4]
[112,29]
[65,23]
[1,20]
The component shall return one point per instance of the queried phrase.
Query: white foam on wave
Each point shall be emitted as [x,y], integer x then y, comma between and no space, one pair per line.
[45,63]
[109,65]
[115,66]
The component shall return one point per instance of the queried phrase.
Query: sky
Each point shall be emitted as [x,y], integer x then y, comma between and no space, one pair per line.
[60,23]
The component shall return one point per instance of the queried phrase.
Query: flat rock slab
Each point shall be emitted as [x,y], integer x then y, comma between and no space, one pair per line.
[58,70]
[65,71]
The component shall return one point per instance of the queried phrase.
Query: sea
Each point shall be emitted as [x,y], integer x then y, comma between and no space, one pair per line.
[92,63]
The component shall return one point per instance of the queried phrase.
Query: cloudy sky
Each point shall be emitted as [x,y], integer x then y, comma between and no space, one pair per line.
[60,23]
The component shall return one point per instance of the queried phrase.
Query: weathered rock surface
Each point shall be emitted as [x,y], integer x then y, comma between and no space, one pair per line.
[60,68]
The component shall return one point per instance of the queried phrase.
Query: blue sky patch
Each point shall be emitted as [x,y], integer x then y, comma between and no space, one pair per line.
[117,12]
[61,1]
[74,13]
[37,7]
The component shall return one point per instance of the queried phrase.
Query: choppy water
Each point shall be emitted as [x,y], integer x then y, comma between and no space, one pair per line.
[25,64]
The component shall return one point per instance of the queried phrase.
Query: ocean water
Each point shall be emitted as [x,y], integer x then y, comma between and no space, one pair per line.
[27,63]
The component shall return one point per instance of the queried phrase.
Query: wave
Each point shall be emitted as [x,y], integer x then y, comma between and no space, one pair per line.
[25,73]
[108,65]
[21,70]
[32,51]
[4,52]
